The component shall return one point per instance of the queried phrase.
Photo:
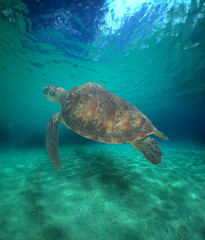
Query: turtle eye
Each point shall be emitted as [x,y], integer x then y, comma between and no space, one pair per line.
[45,90]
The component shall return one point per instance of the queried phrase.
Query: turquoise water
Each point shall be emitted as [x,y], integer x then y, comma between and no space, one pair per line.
[152,54]
[103,192]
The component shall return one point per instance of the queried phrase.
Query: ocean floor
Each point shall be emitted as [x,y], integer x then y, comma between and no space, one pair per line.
[103,192]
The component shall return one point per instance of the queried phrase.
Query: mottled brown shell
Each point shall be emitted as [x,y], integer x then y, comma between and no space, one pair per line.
[95,113]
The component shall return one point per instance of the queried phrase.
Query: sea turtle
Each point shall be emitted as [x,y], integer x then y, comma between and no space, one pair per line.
[95,113]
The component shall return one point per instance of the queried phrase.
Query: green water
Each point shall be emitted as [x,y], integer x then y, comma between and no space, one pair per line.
[103,191]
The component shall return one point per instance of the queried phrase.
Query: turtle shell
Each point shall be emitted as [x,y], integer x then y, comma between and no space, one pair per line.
[97,114]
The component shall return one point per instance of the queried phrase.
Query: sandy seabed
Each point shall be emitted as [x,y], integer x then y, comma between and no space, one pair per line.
[103,192]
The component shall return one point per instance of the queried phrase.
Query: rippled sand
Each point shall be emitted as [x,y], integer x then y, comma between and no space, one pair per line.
[103,192]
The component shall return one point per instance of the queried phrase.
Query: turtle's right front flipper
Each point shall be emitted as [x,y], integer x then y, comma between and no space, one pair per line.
[52,139]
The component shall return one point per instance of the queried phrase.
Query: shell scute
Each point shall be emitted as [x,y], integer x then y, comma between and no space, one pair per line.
[130,137]
[122,123]
[103,119]
[117,138]
[83,113]
[92,135]
[105,138]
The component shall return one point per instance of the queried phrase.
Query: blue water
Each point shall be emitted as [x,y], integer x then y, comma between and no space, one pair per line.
[152,54]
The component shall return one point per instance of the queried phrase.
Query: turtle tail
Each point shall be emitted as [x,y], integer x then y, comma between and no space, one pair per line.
[160,134]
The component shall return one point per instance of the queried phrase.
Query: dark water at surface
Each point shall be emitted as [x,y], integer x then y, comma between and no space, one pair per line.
[153,57]
[152,54]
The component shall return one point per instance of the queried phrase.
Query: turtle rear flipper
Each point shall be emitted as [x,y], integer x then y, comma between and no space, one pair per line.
[52,139]
[149,148]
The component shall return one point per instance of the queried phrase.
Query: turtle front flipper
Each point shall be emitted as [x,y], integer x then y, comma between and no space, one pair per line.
[52,139]
[149,148]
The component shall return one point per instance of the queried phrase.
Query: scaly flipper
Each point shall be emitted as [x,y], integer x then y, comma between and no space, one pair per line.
[149,148]
[52,139]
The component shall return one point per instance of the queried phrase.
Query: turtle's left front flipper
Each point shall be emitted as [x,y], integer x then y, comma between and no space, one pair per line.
[149,148]
[52,139]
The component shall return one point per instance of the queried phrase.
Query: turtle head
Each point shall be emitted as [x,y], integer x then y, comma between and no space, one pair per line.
[54,93]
